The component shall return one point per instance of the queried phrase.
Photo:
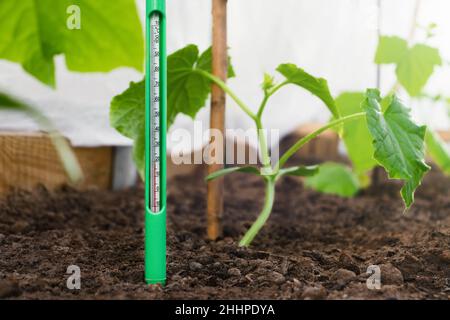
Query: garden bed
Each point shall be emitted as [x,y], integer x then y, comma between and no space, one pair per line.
[314,245]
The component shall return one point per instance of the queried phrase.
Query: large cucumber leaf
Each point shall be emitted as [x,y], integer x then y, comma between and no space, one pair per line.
[127,115]
[398,142]
[33,32]
[316,86]
[187,89]
[127,111]
[355,133]
[187,94]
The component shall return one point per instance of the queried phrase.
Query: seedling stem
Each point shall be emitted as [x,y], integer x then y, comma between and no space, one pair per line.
[270,180]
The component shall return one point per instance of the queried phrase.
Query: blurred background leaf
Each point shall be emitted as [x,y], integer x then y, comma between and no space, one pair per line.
[438,151]
[334,178]
[415,65]
[33,32]
[62,146]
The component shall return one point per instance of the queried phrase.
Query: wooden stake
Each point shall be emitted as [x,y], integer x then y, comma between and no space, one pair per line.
[217,118]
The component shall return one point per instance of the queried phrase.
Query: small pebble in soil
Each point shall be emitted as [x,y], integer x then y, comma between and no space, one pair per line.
[195,266]
[314,293]
[276,277]
[2,237]
[234,272]
[9,289]
[343,276]
[390,275]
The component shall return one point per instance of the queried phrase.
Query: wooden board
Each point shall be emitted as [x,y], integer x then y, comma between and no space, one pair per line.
[29,159]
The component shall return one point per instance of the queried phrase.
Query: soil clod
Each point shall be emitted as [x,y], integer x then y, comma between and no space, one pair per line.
[276,277]
[343,276]
[9,289]
[390,275]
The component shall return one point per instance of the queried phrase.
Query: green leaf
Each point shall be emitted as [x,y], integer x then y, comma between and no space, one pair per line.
[414,65]
[221,173]
[316,86]
[127,111]
[187,93]
[187,89]
[139,153]
[299,171]
[205,63]
[398,142]
[268,82]
[7,102]
[334,178]
[417,67]
[438,151]
[391,50]
[33,32]
[127,115]
[355,133]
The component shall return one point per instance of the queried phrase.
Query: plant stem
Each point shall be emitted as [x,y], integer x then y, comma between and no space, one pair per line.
[263,144]
[267,95]
[300,143]
[270,181]
[261,137]
[230,92]
[263,216]
[263,105]
[243,106]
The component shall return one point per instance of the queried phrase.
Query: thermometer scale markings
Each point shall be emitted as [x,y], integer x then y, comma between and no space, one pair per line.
[155,114]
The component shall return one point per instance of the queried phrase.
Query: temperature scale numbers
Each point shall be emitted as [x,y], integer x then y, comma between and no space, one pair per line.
[155,142]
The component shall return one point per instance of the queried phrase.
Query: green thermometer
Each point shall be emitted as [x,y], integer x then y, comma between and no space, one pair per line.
[155,143]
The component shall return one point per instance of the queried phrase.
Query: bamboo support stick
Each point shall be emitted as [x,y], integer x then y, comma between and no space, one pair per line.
[217,117]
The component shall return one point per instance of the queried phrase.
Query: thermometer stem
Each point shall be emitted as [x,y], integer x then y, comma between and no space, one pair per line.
[155,100]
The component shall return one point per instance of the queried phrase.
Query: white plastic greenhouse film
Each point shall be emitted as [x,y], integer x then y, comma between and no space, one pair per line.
[334,39]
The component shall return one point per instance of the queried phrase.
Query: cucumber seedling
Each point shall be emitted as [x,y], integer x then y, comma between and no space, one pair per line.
[397,142]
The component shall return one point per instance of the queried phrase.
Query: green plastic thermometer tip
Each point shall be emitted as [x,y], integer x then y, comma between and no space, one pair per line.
[155,143]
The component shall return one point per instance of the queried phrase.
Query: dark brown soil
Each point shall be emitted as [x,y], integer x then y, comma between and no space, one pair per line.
[314,246]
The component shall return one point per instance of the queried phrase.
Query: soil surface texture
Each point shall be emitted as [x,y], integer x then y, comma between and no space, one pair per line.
[314,246]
